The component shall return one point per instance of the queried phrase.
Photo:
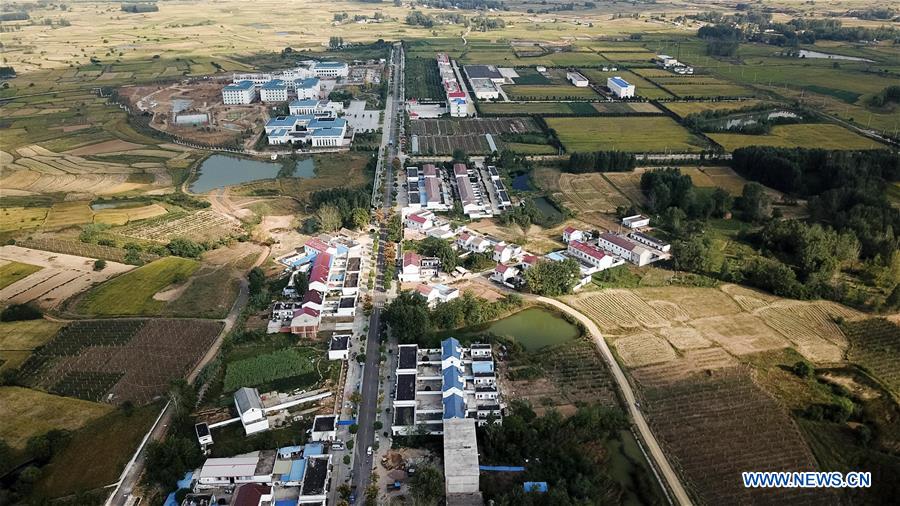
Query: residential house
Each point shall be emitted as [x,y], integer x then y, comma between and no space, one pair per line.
[623,247]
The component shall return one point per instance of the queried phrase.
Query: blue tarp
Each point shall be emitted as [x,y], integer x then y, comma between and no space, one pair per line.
[313,449]
[535,486]
[296,473]
[502,469]
[186,481]
[170,500]
[346,422]
[287,451]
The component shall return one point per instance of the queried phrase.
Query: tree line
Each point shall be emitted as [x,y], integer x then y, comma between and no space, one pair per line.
[600,161]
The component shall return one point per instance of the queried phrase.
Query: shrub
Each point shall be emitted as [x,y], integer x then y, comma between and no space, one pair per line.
[20,312]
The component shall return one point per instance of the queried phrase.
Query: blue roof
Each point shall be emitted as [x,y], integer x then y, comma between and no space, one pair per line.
[535,486]
[454,407]
[309,82]
[274,84]
[283,121]
[309,102]
[285,452]
[239,86]
[296,472]
[327,123]
[331,64]
[327,132]
[556,256]
[459,101]
[186,481]
[620,82]
[313,449]
[450,348]
[286,502]
[482,366]
[279,132]
[452,379]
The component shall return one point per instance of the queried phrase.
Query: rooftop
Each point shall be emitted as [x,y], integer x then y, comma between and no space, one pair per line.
[239,86]
[324,423]
[406,387]
[482,72]
[339,342]
[408,354]
[315,476]
[247,399]
[618,241]
[620,82]
[274,84]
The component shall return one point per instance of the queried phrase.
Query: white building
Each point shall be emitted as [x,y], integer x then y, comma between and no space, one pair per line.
[484,89]
[318,132]
[665,61]
[274,91]
[307,88]
[631,251]
[250,409]
[437,294]
[420,220]
[590,254]
[416,268]
[324,428]
[503,273]
[636,221]
[247,468]
[651,241]
[330,69]
[457,99]
[577,79]
[468,241]
[339,347]
[572,234]
[620,87]
[504,253]
[318,108]
[240,93]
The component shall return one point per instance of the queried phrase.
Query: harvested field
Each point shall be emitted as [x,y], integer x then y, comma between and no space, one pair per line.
[199,226]
[118,360]
[810,327]
[629,183]
[442,136]
[61,276]
[122,216]
[685,338]
[618,310]
[104,147]
[875,345]
[626,107]
[67,214]
[721,418]
[685,109]
[740,334]
[821,135]
[12,271]
[587,194]
[25,413]
[696,302]
[626,134]
[132,293]
[19,218]
[643,349]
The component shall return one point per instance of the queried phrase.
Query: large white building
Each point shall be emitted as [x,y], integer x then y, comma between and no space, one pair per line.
[274,91]
[484,89]
[319,108]
[590,254]
[457,99]
[250,409]
[239,93]
[577,79]
[625,248]
[307,88]
[620,87]
[330,69]
[318,132]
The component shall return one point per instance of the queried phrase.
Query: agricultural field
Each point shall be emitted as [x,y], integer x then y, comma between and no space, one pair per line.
[875,345]
[68,214]
[821,135]
[549,92]
[81,249]
[12,271]
[119,360]
[629,184]
[25,413]
[511,108]
[134,293]
[124,215]
[17,339]
[13,219]
[685,109]
[442,136]
[262,369]
[625,134]
[422,78]
[642,87]
[204,225]
[59,277]
[626,108]
[589,195]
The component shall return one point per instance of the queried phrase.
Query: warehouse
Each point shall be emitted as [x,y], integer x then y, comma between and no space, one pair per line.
[620,87]
[577,79]
[484,89]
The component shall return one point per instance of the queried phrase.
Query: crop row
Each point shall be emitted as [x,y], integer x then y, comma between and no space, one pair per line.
[269,367]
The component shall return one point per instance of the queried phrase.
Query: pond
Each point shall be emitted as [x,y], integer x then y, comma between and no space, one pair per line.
[629,468]
[805,53]
[534,328]
[547,208]
[522,182]
[219,171]
[97,206]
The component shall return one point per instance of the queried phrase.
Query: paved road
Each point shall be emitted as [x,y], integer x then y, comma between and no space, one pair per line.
[368,409]
[135,468]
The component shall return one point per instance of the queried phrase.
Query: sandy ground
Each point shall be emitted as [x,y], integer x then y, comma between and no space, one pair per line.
[283,233]
[62,276]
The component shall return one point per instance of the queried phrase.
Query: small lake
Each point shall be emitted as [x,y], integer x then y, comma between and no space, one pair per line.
[805,53]
[546,207]
[522,182]
[219,171]
[535,328]
[626,465]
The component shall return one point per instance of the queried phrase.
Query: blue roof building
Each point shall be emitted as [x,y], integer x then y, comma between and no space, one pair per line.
[483,366]
[239,86]
[620,82]
[274,84]
[452,380]
[309,102]
[535,486]
[454,407]
[305,84]
[331,65]
[450,348]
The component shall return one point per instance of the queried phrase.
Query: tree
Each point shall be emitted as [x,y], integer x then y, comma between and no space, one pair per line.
[328,217]
[182,247]
[354,428]
[378,425]
[553,278]
[802,369]
[692,255]
[408,317]
[167,461]
[257,280]
[20,312]
[435,247]
[459,155]
[753,204]
[99,264]
[722,202]
[360,218]
[427,485]
[372,490]
[183,396]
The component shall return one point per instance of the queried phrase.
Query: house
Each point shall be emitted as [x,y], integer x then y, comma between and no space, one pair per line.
[437,294]
[420,220]
[255,467]
[503,273]
[529,261]
[577,79]
[572,234]
[204,437]
[631,251]
[620,87]
[250,409]
[306,88]
[318,273]
[590,254]
[324,428]
[239,93]
[305,322]
[339,347]
[484,89]
[467,241]
[252,494]
[411,269]
[636,221]
[504,253]
[651,241]
[274,91]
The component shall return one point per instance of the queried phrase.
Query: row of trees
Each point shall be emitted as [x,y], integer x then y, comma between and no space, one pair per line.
[340,207]
[600,161]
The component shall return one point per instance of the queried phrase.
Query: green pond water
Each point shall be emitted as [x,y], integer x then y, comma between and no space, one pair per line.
[546,207]
[535,328]
[629,468]
[219,171]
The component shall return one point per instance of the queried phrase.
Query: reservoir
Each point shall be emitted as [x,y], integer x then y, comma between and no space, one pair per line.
[219,171]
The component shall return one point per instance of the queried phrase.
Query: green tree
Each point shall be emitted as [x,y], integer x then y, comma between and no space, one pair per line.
[722,202]
[553,278]
[257,280]
[99,264]
[692,255]
[427,485]
[753,204]
[328,218]
[182,247]
[167,461]
[435,247]
[408,317]
[360,218]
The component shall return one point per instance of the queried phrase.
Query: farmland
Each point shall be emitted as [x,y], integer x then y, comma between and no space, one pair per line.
[132,293]
[685,109]
[589,195]
[422,79]
[205,225]
[875,344]
[821,135]
[17,339]
[277,365]
[510,108]
[549,92]
[642,87]
[119,360]
[625,134]
[60,276]
[12,271]
[442,136]
[25,413]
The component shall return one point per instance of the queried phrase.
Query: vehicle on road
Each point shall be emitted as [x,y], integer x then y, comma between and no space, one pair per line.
[369,451]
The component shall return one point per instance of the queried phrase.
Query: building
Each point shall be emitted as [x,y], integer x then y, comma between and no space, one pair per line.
[239,93]
[630,251]
[315,107]
[438,384]
[504,253]
[255,467]
[437,294]
[417,268]
[457,99]
[324,428]
[620,87]
[306,128]
[653,242]
[577,79]
[590,254]
[420,220]
[461,471]
[252,494]
[330,69]
[488,72]
[250,409]
[204,437]
[274,91]
[665,61]
[468,241]
[572,234]
[504,273]
[339,347]
[636,221]
[307,89]
[484,89]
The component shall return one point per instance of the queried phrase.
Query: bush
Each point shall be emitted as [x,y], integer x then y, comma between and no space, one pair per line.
[20,312]
[99,264]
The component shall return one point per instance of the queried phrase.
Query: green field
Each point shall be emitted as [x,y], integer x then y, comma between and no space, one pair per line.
[509,108]
[132,293]
[685,109]
[549,92]
[17,339]
[25,413]
[653,134]
[531,149]
[820,135]
[273,366]
[13,271]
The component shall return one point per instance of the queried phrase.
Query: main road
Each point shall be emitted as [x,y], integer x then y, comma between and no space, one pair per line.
[368,410]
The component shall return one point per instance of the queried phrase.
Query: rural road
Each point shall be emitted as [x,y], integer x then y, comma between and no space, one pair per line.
[132,473]
[662,463]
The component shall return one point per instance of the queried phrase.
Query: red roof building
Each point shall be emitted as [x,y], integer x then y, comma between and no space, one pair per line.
[411,258]
[320,268]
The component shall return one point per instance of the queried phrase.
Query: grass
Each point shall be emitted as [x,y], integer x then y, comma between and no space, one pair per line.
[14,271]
[820,135]
[489,108]
[18,218]
[685,109]
[132,293]
[17,339]
[67,214]
[25,413]
[633,134]
[549,92]
[96,454]
[531,149]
